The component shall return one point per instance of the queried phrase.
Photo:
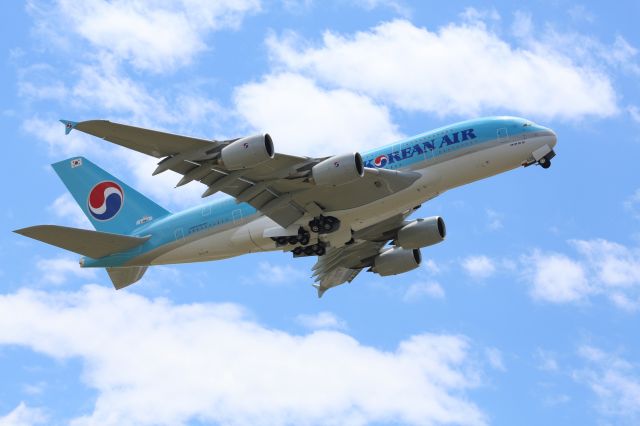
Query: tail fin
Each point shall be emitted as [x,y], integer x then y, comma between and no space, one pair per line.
[110,204]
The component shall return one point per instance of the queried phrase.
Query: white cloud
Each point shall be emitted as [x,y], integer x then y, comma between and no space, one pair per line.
[546,360]
[494,219]
[51,131]
[155,362]
[40,82]
[321,321]
[479,267]
[522,25]
[431,267]
[632,203]
[34,388]
[634,112]
[57,270]
[614,264]
[65,207]
[271,273]
[156,36]
[615,382]
[306,119]
[417,291]
[603,268]
[556,278]
[23,415]
[421,70]
[398,7]
[494,356]
[579,12]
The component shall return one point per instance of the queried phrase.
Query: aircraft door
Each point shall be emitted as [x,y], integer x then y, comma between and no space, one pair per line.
[503,134]
[237,216]
[179,234]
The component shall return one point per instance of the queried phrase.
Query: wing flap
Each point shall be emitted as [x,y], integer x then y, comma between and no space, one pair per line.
[93,244]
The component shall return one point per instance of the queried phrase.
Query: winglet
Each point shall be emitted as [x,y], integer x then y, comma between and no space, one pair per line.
[68,125]
[321,290]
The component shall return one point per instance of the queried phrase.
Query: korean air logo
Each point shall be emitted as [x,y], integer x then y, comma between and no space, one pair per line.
[381,161]
[105,200]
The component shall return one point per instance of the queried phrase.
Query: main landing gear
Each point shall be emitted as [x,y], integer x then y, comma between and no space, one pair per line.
[324,224]
[319,225]
[318,249]
[304,248]
[303,238]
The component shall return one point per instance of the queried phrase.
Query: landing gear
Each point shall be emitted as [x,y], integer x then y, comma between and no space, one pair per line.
[324,224]
[545,163]
[318,249]
[302,238]
[302,241]
[319,225]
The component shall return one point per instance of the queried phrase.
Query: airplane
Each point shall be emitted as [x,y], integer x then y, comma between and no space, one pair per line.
[349,210]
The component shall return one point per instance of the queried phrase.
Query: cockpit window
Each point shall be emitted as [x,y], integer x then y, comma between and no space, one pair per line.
[527,124]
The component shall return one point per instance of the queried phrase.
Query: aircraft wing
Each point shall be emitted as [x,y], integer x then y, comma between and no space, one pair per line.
[280,188]
[343,264]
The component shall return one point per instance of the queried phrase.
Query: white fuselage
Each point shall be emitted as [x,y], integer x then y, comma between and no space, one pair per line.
[251,234]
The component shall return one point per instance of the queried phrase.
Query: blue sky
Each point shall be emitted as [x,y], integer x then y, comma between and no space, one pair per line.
[527,314]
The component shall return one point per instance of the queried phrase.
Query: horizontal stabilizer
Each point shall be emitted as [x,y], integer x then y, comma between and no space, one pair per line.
[93,244]
[122,277]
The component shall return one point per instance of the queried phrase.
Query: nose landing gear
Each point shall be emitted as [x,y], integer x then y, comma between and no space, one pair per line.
[545,162]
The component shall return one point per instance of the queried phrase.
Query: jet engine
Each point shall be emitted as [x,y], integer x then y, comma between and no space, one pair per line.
[338,170]
[396,260]
[422,233]
[247,152]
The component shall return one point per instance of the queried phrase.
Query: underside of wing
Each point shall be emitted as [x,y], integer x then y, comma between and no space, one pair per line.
[343,264]
[150,142]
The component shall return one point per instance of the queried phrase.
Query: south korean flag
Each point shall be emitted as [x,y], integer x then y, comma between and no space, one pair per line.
[76,162]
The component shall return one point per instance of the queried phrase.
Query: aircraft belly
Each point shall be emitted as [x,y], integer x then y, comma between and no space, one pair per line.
[247,238]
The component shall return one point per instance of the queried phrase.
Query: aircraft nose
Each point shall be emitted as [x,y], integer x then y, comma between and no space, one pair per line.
[551,136]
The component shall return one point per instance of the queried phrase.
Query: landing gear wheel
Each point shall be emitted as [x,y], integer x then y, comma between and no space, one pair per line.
[308,250]
[281,241]
[327,226]
[304,239]
[544,162]
[292,240]
[320,250]
[314,225]
[297,251]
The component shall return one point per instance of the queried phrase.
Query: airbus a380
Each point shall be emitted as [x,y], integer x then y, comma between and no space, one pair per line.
[349,210]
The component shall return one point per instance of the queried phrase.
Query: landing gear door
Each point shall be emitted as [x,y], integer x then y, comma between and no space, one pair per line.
[503,134]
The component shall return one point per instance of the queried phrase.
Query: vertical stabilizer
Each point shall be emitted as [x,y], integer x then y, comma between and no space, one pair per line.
[110,204]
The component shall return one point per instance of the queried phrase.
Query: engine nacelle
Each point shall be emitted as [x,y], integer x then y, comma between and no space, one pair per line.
[396,261]
[247,152]
[422,233]
[338,170]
